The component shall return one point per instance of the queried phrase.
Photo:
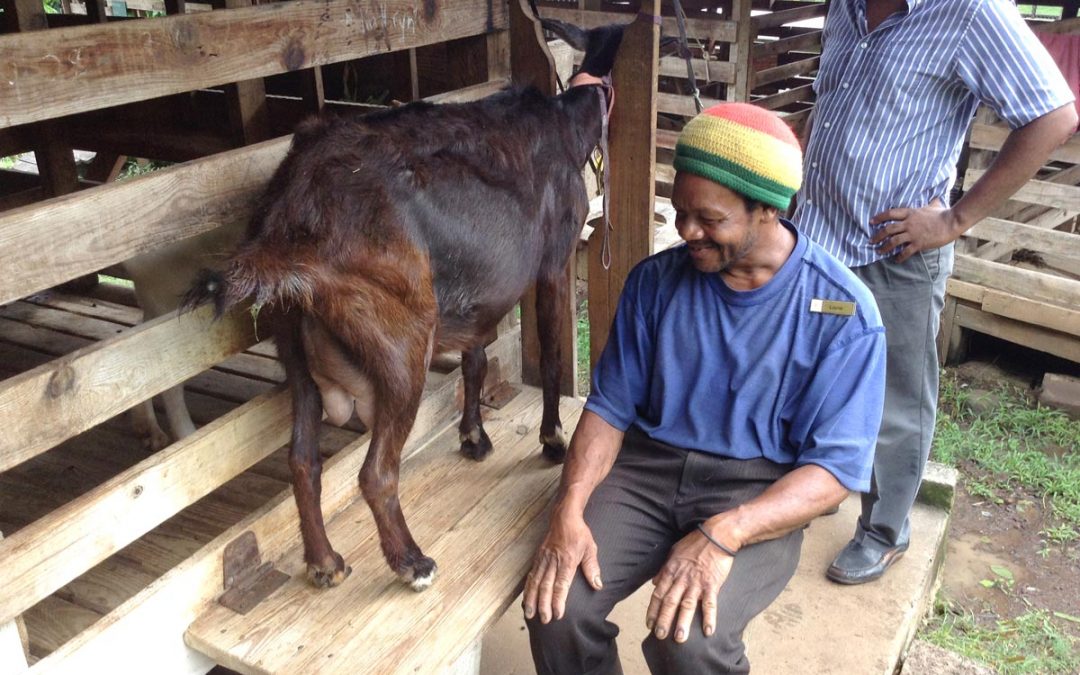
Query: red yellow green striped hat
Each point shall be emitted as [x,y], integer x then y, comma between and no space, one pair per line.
[743,147]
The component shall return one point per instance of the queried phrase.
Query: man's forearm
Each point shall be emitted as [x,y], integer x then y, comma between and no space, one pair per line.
[593,450]
[788,504]
[1025,150]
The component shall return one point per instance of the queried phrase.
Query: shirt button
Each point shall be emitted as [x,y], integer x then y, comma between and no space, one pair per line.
[813,164]
[827,125]
[845,85]
[809,202]
[864,45]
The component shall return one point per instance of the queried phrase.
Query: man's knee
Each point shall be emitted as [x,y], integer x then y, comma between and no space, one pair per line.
[721,653]
[581,641]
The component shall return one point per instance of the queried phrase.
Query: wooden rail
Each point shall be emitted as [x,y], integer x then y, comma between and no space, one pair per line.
[70,70]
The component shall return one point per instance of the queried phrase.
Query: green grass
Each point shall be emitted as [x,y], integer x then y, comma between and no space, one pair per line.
[583,370]
[134,167]
[8,162]
[1031,643]
[1009,445]
[1041,11]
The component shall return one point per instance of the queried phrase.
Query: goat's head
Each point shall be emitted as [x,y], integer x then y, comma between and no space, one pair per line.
[599,44]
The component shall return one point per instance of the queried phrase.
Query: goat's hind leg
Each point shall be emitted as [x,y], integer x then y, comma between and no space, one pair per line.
[551,298]
[325,566]
[475,443]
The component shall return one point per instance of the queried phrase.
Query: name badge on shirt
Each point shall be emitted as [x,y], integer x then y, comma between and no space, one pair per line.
[838,307]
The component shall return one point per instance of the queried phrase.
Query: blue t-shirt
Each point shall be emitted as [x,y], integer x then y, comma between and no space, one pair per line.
[748,374]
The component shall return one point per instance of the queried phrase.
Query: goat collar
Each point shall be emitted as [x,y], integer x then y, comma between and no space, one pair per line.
[583,79]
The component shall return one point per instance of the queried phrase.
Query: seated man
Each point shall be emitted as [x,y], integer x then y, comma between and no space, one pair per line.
[738,397]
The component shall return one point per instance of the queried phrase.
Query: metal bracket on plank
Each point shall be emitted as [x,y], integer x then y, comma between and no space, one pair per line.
[248,580]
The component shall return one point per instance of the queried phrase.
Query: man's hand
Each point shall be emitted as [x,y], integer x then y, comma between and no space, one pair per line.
[914,230]
[692,576]
[569,544]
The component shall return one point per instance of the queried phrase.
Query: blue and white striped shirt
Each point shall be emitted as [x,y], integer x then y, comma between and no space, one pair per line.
[893,107]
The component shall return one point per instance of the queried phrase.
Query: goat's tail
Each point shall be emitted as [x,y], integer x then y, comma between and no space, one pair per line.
[253,272]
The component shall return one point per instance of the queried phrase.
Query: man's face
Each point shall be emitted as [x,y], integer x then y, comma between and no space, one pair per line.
[714,222]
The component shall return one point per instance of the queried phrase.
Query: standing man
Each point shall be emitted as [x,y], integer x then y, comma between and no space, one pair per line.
[898,85]
[738,396]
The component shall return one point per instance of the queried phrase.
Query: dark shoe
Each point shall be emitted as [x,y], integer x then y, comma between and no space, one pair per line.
[859,563]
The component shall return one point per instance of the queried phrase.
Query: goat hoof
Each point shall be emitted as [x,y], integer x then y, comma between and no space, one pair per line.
[476,449]
[321,577]
[421,574]
[554,452]
[156,440]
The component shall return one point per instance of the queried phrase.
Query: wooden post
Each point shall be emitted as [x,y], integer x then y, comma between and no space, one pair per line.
[531,64]
[742,51]
[632,163]
[248,116]
[13,645]
[55,161]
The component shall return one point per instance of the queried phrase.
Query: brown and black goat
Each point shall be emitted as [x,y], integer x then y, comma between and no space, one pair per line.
[384,239]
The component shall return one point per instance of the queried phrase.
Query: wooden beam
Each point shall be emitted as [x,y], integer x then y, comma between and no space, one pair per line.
[1044,193]
[1019,235]
[1035,285]
[804,93]
[120,641]
[992,137]
[1034,337]
[111,223]
[53,550]
[678,104]
[786,71]
[709,70]
[776,19]
[784,45]
[64,71]
[632,164]
[49,404]
[741,51]
[701,29]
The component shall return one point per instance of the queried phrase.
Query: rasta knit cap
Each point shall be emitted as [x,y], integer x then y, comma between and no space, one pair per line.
[745,148]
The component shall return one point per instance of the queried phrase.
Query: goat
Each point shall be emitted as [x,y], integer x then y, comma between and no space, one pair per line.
[384,239]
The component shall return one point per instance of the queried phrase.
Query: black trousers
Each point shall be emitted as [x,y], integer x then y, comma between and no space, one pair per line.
[653,496]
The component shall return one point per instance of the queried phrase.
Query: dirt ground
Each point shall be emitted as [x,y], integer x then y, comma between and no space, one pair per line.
[985,534]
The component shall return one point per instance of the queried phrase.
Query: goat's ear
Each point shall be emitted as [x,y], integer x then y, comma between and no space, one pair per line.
[574,36]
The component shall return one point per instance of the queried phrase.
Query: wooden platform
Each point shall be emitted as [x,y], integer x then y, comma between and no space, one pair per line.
[481,522]
[184,551]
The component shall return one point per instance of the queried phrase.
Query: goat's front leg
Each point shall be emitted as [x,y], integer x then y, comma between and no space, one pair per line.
[475,443]
[551,297]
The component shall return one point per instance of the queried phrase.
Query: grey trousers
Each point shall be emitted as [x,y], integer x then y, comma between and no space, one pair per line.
[653,496]
[910,297]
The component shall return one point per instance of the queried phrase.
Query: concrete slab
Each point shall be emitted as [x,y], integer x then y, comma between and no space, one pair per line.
[815,626]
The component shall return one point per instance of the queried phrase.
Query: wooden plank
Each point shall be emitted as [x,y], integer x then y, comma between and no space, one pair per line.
[1020,235]
[72,70]
[741,51]
[120,639]
[801,42]
[1065,26]
[1050,219]
[992,137]
[93,384]
[1011,306]
[469,514]
[786,71]
[1035,337]
[54,622]
[111,223]
[965,290]
[776,19]
[1044,193]
[12,643]
[708,70]
[632,165]
[679,104]
[1037,286]
[805,93]
[52,551]
[701,29]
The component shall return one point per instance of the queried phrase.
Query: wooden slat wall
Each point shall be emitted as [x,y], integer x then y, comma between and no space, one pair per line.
[111,223]
[69,70]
